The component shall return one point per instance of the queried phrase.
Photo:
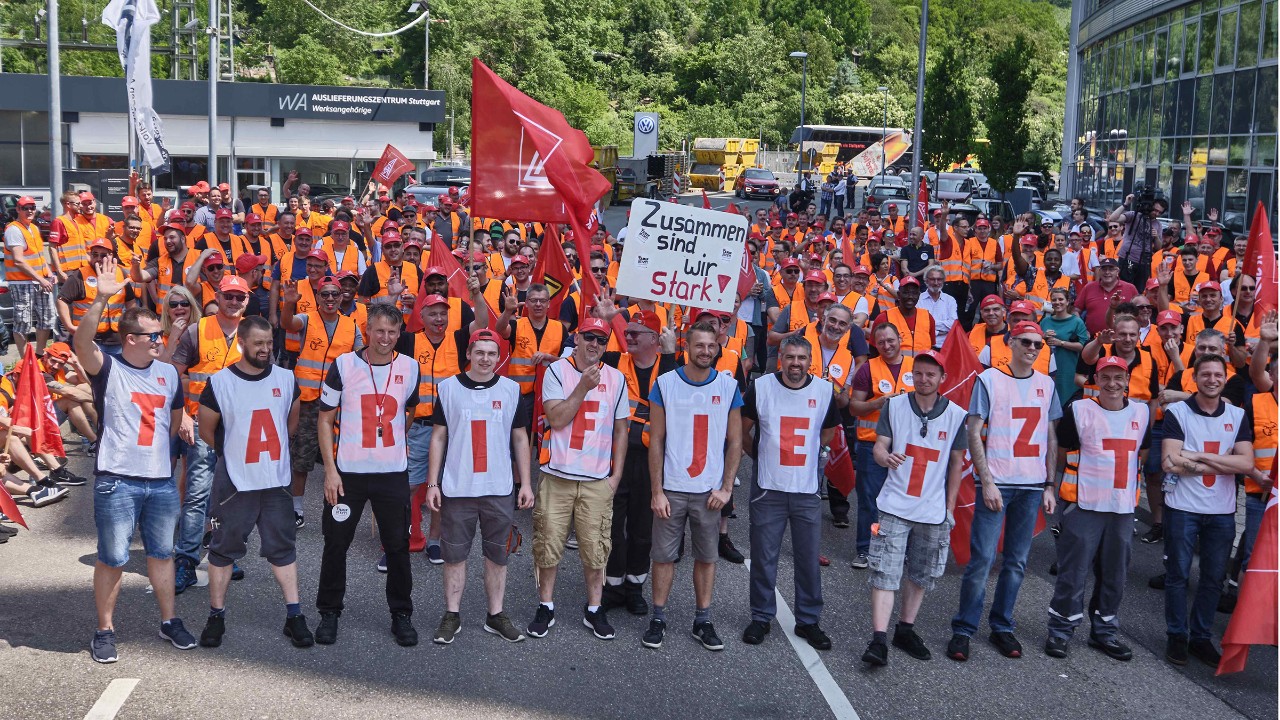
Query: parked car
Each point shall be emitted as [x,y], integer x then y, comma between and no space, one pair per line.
[428,194]
[1035,180]
[956,187]
[967,210]
[995,208]
[905,207]
[756,183]
[884,188]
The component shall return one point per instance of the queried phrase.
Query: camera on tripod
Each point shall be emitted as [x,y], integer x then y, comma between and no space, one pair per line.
[1145,198]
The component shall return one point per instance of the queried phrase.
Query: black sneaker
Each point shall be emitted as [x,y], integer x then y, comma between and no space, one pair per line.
[861,562]
[906,640]
[1204,651]
[299,521]
[755,632]
[1156,582]
[103,647]
[813,635]
[214,628]
[1154,535]
[877,654]
[382,563]
[598,622]
[450,624]
[1056,647]
[706,633]
[840,521]
[176,633]
[543,620]
[237,572]
[500,625]
[402,629]
[652,637]
[1112,647]
[1176,650]
[295,628]
[728,551]
[1007,644]
[958,648]
[66,478]
[327,630]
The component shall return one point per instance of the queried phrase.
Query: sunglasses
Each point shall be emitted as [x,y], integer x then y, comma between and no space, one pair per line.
[214,267]
[235,297]
[179,304]
[924,427]
[600,340]
[152,337]
[598,270]
[633,334]
[331,294]
[27,207]
[1113,227]
[1032,344]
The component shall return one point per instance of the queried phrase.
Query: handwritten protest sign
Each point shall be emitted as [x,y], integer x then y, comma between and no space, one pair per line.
[682,254]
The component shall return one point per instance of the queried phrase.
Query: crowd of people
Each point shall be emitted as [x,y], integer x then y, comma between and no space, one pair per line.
[219,353]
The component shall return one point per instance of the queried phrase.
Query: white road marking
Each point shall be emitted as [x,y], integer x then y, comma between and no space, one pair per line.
[831,692]
[112,699]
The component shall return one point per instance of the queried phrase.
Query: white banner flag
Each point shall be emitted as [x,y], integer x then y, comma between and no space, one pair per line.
[132,21]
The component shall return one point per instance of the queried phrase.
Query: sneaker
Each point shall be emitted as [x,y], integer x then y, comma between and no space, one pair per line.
[214,628]
[706,633]
[652,637]
[295,628]
[45,495]
[103,646]
[543,620]
[958,648]
[66,478]
[877,654]
[598,621]
[237,572]
[91,449]
[402,629]
[448,629]
[1156,582]
[1176,650]
[728,551]
[184,575]
[502,626]
[1056,647]
[755,632]
[434,555]
[1154,535]
[327,630]
[1204,651]
[5,529]
[861,562]
[1112,647]
[175,632]
[813,635]
[841,521]
[906,640]
[1007,644]
[382,563]
[571,542]
[299,521]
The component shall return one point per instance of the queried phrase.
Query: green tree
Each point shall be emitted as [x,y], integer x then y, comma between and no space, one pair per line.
[869,109]
[948,112]
[1005,118]
[308,63]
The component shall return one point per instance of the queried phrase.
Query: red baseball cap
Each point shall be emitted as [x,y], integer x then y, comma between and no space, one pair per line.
[1027,328]
[595,325]
[862,270]
[200,187]
[26,200]
[347,274]
[326,280]
[391,236]
[982,222]
[1111,361]
[775,224]
[246,263]
[717,314]
[187,205]
[1209,285]
[485,334]
[390,225]
[1022,306]
[827,297]
[318,254]
[302,232]
[172,225]
[86,196]
[223,214]
[1152,284]
[815,276]
[453,190]
[430,208]
[1169,317]
[1029,240]
[931,355]
[815,257]
[908,281]
[233,282]
[990,300]
[414,242]
[434,270]
[224,186]
[252,219]
[129,201]
[519,260]
[103,243]
[434,299]
[215,259]
[348,199]
[789,263]
[337,225]
[645,319]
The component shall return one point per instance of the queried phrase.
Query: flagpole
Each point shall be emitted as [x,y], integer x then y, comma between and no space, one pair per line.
[55,109]
[917,133]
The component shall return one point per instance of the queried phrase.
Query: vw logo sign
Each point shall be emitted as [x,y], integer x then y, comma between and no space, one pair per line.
[645,124]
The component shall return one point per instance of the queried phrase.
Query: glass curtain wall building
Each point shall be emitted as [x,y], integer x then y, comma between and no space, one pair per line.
[1176,95]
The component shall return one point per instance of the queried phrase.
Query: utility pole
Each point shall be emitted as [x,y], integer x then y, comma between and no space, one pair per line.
[55,111]
[918,137]
[212,31]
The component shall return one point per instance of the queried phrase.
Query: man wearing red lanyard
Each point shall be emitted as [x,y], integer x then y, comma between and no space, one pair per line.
[375,391]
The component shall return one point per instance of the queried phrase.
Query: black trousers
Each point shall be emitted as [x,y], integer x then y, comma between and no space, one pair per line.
[960,291]
[1136,273]
[388,495]
[632,531]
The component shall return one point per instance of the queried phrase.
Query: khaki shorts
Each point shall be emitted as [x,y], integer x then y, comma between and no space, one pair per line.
[904,547]
[589,505]
[704,526]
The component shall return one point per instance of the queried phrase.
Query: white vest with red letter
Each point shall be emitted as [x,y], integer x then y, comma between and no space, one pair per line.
[1215,435]
[371,407]
[790,433]
[917,489]
[1017,426]
[583,449]
[697,427]
[255,427]
[136,407]
[1110,440]
[479,423]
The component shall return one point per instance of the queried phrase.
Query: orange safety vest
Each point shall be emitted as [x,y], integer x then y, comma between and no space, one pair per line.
[521,368]
[979,337]
[976,253]
[72,253]
[799,311]
[955,264]
[1226,325]
[883,383]
[214,351]
[1038,293]
[306,304]
[110,320]
[435,365]
[781,295]
[913,341]
[627,366]
[166,270]
[319,351]
[839,369]
[1264,436]
[1140,372]
[408,274]
[1182,288]
[350,259]
[34,253]
[359,313]
[268,214]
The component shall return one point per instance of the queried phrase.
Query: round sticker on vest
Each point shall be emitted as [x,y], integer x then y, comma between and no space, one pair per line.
[885,387]
[341,512]
[91,281]
[908,379]
[835,370]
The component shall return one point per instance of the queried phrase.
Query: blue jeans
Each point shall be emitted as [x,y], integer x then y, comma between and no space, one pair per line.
[871,478]
[771,512]
[120,504]
[1183,531]
[1018,520]
[1253,509]
[195,504]
[418,438]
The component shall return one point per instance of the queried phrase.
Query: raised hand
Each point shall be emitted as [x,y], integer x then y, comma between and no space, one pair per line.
[289,292]
[108,283]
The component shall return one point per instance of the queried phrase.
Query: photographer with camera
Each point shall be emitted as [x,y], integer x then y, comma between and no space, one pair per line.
[1141,233]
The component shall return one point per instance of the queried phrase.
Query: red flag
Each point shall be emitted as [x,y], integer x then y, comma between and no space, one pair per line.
[846,249]
[391,166]
[529,164]
[1260,262]
[706,201]
[746,275]
[590,289]
[441,257]
[1254,620]
[733,208]
[553,270]
[840,465]
[922,204]
[963,369]
[33,408]
[10,508]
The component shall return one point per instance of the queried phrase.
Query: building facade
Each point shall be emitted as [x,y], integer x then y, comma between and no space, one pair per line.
[1177,96]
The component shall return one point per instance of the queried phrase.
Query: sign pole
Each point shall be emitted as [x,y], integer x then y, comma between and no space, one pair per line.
[55,111]
[918,137]
[212,30]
